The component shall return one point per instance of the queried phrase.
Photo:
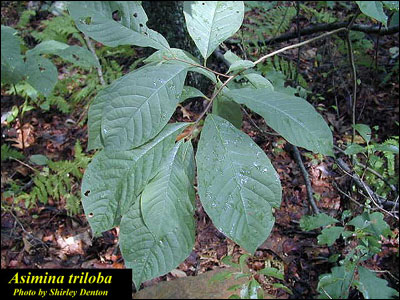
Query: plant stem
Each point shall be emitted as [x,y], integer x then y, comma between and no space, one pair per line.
[299,44]
[91,48]
[353,74]
[197,65]
[307,181]
[230,78]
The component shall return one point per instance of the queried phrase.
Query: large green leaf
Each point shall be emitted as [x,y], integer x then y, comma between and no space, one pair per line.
[134,108]
[113,179]
[238,186]
[166,201]
[12,65]
[41,74]
[373,287]
[209,23]
[75,54]
[115,23]
[293,117]
[147,255]
[373,9]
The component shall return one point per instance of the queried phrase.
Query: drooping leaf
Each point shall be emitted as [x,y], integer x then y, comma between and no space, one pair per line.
[148,256]
[373,9]
[75,54]
[229,110]
[329,235]
[168,200]
[41,74]
[293,117]
[364,131]
[240,65]
[231,57]
[190,92]
[209,23]
[114,179]
[373,287]
[258,81]
[312,222]
[115,23]
[12,65]
[180,56]
[238,186]
[134,108]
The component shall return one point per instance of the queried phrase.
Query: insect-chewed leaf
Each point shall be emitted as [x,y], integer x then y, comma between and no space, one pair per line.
[209,23]
[147,255]
[41,74]
[237,183]
[114,179]
[293,117]
[115,23]
[167,202]
[134,108]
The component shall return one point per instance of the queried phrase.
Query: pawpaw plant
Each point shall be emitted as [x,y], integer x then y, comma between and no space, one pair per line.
[142,179]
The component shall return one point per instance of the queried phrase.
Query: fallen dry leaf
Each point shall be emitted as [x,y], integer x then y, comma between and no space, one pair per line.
[25,136]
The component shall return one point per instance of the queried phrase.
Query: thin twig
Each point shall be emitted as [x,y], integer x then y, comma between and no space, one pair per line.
[30,235]
[299,44]
[26,165]
[353,76]
[307,181]
[316,28]
[374,198]
[392,187]
[99,70]
[262,59]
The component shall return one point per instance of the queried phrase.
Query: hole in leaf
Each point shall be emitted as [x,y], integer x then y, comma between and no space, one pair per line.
[87,193]
[87,20]
[237,11]
[75,56]
[135,15]
[141,25]
[116,16]
[90,215]
[203,3]
[42,69]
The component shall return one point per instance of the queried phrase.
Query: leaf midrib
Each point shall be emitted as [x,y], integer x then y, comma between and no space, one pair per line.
[231,164]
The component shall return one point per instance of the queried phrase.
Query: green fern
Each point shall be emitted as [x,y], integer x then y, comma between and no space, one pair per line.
[266,23]
[58,181]
[287,68]
[8,153]
[58,28]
